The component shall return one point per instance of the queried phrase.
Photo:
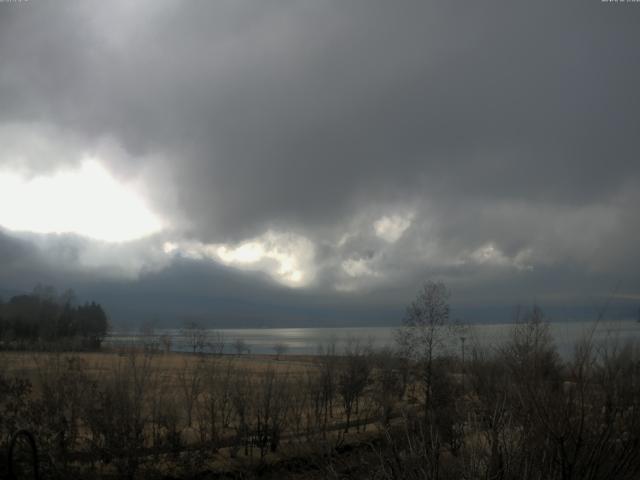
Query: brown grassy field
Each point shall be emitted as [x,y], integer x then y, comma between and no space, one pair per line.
[27,364]
[240,408]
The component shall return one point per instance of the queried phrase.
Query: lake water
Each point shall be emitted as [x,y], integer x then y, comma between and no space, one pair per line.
[307,340]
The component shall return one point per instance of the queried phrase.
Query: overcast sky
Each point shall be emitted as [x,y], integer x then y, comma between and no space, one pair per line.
[313,162]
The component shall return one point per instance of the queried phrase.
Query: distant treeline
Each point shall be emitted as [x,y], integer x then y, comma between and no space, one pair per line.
[43,317]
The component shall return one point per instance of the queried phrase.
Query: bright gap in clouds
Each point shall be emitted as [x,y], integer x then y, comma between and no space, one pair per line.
[391,228]
[286,257]
[86,201]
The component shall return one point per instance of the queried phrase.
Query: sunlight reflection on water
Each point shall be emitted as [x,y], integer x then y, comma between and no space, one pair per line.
[307,340]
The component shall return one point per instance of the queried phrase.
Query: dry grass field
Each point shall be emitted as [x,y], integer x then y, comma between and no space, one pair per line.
[185,412]
[27,364]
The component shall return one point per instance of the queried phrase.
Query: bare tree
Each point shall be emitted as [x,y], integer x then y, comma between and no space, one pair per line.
[280,348]
[240,346]
[117,414]
[216,342]
[150,340]
[195,336]
[424,331]
[166,341]
[353,378]
[300,406]
[388,382]
[62,380]
[242,401]
[190,378]
[271,403]
[215,407]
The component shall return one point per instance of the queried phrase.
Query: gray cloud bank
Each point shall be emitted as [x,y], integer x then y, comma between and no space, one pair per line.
[373,144]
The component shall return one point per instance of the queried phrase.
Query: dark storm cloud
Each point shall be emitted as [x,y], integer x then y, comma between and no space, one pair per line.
[503,125]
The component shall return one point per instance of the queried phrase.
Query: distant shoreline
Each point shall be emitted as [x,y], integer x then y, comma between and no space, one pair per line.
[307,340]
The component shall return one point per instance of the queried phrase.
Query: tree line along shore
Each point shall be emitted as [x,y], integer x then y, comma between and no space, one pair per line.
[45,320]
